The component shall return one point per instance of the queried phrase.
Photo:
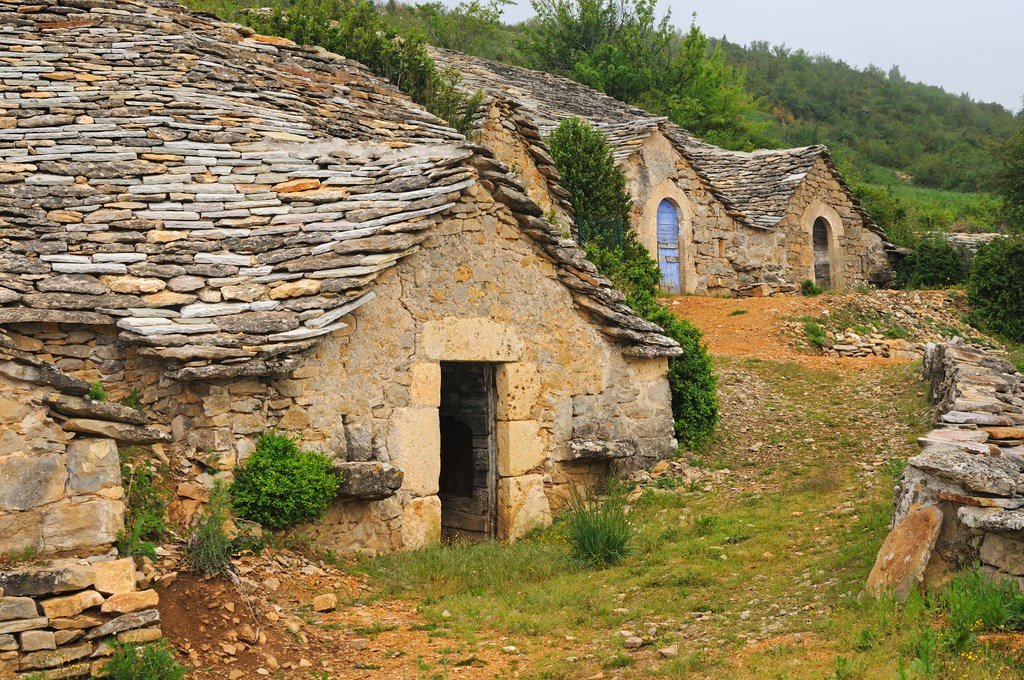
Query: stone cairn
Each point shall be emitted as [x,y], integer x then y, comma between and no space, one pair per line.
[961,500]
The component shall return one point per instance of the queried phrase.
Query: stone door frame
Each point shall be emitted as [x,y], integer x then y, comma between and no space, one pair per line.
[522,444]
[835,230]
[668,190]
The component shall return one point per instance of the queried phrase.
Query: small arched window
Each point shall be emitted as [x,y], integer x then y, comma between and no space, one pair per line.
[822,265]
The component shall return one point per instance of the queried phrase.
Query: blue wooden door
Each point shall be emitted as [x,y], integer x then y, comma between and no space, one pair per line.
[668,246]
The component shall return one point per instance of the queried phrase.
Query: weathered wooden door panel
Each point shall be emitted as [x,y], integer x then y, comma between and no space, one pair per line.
[668,246]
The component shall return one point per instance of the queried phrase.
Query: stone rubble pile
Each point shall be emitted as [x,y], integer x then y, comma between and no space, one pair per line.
[961,499]
[850,344]
[56,617]
[866,324]
[666,476]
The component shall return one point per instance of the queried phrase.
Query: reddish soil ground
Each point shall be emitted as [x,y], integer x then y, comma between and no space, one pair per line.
[760,330]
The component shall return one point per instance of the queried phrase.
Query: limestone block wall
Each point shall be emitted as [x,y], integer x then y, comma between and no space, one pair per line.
[967,484]
[477,291]
[89,353]
[58,490]
[717,256]
[517,143]
[856,253]
[56,617]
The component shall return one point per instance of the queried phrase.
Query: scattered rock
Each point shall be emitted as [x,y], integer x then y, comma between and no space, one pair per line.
[325,603]
[904,554]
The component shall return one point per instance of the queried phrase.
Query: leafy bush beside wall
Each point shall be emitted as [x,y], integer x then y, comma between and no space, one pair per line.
[279,485]
[996,288]
[934,263]
[598,193]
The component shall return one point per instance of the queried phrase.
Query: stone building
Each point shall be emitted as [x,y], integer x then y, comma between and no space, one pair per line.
[254,235]
[718,221]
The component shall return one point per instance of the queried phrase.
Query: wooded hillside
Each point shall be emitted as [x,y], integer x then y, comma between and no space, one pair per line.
[879,118]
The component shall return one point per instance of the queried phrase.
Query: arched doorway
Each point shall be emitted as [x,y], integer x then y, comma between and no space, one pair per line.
[668,245]
[822,264]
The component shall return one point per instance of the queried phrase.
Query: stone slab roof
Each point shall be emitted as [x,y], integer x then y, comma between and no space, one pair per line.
[223,198]
[755,188]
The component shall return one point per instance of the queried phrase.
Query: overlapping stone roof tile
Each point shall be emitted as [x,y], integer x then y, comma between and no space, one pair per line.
[755,188]
[223,198]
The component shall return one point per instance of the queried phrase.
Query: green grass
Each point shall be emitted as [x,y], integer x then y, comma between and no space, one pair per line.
[779,541]
[908,213]
[1016,355]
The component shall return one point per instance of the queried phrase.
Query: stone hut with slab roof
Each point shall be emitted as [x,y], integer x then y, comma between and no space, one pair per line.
[254,235]
[718,222]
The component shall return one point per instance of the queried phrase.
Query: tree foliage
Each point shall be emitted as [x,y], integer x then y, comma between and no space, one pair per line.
[355,29]
[622,49]
[878,117]
[1009,178]
[597,188]
[471,27]
[995,288]
[599,196]
[934,263]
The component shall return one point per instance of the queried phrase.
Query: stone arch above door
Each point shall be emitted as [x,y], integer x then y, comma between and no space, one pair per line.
[825,216]
[648,230]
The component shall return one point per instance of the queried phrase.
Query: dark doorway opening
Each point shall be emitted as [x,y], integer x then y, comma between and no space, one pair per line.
[468,484]
[822,266]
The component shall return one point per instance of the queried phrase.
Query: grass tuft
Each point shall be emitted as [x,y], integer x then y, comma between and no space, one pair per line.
[598,531]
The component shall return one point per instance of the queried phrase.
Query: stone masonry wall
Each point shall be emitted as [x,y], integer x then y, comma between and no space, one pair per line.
[717,256]
[477,291]
[58,490]
[858,250]
[56,617]
[961,500]
[518,145]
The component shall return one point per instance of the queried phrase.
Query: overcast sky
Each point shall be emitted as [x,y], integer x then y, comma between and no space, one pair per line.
[975,47]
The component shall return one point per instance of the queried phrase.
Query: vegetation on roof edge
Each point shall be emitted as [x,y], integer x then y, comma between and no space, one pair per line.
[917,173]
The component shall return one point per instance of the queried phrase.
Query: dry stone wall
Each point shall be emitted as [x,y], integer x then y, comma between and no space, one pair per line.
[516,140]
[966,487]
[56,618]
[60,475]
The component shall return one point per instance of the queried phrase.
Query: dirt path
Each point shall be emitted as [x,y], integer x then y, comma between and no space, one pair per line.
[757,328]
[777,436]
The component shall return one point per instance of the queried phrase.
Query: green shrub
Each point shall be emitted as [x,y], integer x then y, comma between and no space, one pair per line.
[809,288]
[996,288]
[279,485]
[815,333]
[598,191]
[596,185]
[146,503]
[598,531]
[934,263]
[209,548]
[355,29]
[96,392]
[154,661]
